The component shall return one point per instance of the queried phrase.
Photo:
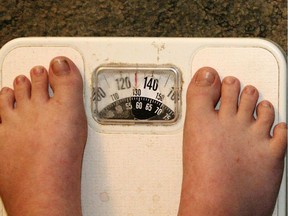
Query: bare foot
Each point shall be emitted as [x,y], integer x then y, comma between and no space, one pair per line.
[232,166]
[42,141]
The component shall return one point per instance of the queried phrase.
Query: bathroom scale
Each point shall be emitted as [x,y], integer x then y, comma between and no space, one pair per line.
[135,101]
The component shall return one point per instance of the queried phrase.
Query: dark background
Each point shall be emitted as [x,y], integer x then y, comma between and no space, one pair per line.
[160,18]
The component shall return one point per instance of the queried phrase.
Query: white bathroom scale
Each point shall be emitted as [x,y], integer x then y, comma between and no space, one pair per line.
[135,100]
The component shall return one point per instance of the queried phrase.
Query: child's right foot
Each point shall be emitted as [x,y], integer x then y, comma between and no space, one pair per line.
[42,141]
[232,166]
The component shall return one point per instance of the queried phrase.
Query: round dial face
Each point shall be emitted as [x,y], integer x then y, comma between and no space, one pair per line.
[128,94]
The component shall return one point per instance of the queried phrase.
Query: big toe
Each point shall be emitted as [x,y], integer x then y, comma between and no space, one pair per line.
[65,80]
[203,92]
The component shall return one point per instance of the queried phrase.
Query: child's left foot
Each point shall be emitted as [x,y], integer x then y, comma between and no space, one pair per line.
[232,166]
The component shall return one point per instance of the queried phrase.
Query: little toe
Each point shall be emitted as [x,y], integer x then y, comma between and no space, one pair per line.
[229,96]
[278,142]
[7,100]
[39,79]
[265,117]
[65,80]
[203,92]
[248,100]
[22,90]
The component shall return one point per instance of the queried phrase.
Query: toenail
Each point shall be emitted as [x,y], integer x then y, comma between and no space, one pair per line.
[20,79]
[38,70]
[284,126]
[60,66]
[4,90]
[205,78]
[229,80]
[266,104]
[250,90]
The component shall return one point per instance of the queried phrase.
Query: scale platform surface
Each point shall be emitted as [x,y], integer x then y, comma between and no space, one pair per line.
[134,167]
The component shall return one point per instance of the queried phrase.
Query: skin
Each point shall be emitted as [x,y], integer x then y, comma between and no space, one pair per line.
[42,141]
[232,166]
[231,163]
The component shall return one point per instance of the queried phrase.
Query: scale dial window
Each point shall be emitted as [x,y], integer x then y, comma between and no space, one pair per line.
[132,95]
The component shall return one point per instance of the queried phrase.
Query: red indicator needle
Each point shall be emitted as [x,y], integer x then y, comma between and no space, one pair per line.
[135,79]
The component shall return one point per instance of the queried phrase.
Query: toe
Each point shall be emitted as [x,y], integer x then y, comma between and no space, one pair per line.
[39,79]
[203,92]
[265,117]
[247,104]
[229,96]
[7,100]
[65,80]
[22,90]
[279,141]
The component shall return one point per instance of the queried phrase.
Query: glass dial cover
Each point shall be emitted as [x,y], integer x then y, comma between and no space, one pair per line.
[133,94]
